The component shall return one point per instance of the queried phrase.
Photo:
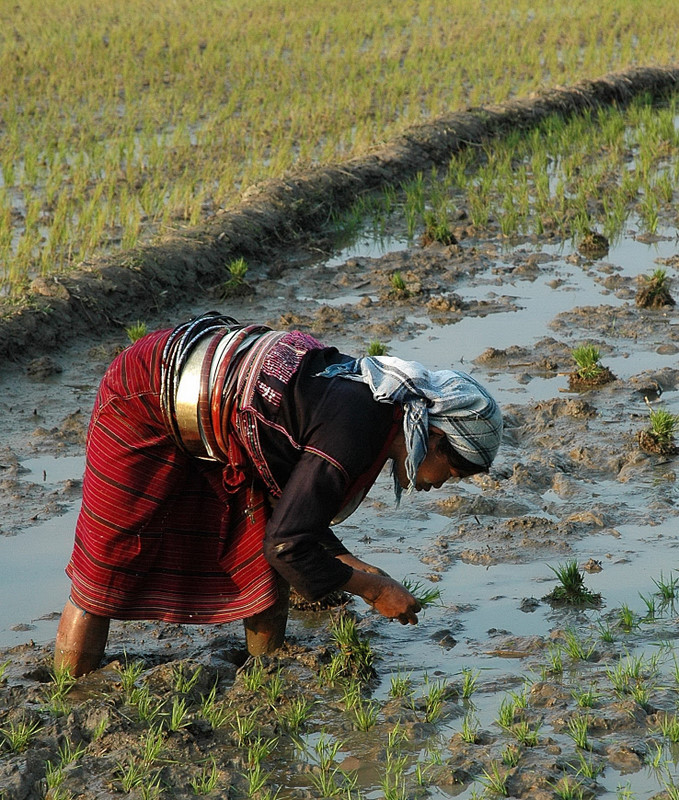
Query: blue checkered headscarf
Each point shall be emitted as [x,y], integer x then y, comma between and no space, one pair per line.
[450,400]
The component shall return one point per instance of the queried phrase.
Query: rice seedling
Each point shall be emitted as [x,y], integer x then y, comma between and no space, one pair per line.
[100,728]
[651,609]
[183,682]
[214,711]
[571,589]
[16,736]
[425,596]
[606,633]
[576,648]
[587,358]
[376,348]
[654,289]
[206,781]
[258,749]
[398,285]
[469,680]
[148,707]
[511,755]
[243,727]
[469,732]
[136,331]
[293,716]
[524,733]
[355,657]
[667,587]
[555,660]
[588,766]
[152,744]
[437,229]
[401,685]
[54,776]
[656,759]
[578,729]
[668,725]
[62,683]
[179,714]
[132,774]
[70,753]
[495,780]
[129,674]
[568,789]
[624,792]
[365,714]
[506,712]
[351,694]
[659,436]
[253,678]
[586,698]
[627,618]
[273,688]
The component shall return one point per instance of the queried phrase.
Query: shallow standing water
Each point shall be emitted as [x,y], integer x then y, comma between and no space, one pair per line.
[492,581]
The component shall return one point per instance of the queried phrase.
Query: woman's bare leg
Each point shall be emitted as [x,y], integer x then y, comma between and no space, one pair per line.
[265,632]
[81,640]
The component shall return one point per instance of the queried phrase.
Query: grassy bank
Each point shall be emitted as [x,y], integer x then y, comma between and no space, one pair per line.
[121,121]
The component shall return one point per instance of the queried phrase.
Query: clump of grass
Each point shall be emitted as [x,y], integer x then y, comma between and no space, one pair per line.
[136,331]
[436,229]
[658,437]
[593,244]
[376,348]
[425,596]
[235,284]
[571,589]
[653,291]
[399,288]
[16,736]
[589,369]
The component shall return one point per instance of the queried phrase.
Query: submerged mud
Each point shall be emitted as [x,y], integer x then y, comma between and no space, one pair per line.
[499,690]
[177,711]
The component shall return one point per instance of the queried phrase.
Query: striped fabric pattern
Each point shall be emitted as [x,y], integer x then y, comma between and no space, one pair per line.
[159,535]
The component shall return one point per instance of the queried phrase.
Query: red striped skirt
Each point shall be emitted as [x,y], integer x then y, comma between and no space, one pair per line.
[158,535]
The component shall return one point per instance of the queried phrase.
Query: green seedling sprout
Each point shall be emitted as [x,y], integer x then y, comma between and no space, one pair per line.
[469,680]
[524,734]
[206,781]
[397,283]
[469,732]
[294,715]
[401,685]
[179,714]
[587,358]
[129,674]
[18,735]
[568,789]
[366,714]
[495,780]
[376,348]
[424,595]
[213,711]
[136,331]
[659,436]
[654,288]
[511,755]
[571,589]
[578,729]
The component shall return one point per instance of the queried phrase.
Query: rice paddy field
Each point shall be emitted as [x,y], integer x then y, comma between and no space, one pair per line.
[124,121]
[528,259]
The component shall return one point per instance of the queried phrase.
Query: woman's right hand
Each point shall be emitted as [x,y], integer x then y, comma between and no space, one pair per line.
[385,595]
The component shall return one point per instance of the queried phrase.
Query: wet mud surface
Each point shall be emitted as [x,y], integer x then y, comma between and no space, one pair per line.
[174,707]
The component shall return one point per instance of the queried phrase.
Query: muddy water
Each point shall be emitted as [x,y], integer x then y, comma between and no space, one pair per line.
[569,483]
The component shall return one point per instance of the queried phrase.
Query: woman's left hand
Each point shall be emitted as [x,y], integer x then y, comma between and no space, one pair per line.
[356,563]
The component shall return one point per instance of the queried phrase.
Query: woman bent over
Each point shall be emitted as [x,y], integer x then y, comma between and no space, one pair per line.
[218,455]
